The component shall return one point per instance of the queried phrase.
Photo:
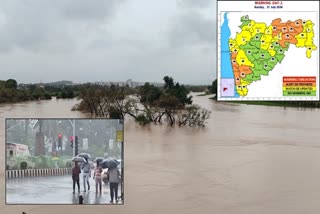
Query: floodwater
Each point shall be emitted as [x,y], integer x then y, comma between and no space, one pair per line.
[248,160]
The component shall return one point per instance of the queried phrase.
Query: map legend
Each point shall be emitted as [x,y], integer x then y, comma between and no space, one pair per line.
[299,86]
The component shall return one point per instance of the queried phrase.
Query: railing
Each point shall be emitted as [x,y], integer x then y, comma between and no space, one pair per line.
[37,172]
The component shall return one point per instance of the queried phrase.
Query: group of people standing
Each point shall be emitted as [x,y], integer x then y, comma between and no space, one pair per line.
[113,176]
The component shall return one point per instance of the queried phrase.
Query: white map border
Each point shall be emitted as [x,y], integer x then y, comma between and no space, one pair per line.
[284,98]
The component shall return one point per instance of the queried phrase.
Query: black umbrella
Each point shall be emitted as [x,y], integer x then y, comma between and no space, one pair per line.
[78,159]
[84,155]
[109,163]
[99,159]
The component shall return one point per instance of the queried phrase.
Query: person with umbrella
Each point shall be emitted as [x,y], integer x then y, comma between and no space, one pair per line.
[75,176]
[97,175]
[113,174]
[86,169]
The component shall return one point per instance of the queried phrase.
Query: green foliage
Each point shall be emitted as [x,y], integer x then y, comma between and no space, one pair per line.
[142,119]
[68,164]
[213,87]
[63,94]
[11,83]
[61,163]
[23,165]
[181,93]
[10,91]
[47,96]
[168,82]
[149,93]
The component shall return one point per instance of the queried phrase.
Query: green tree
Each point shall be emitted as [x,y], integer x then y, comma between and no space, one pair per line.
[11,83]
[149,93]
[213,87]
[168,82]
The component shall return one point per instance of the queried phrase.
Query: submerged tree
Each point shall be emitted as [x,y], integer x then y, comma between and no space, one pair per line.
[171,104]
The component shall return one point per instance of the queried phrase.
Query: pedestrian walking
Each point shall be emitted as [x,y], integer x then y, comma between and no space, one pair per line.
[86,174]
[97,177]
[113,175]
[75,176]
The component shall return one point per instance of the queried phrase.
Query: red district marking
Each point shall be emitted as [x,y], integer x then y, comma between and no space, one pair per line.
[299,79]
[224,89]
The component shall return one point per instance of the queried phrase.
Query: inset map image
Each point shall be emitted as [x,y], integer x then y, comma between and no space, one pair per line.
[259,52]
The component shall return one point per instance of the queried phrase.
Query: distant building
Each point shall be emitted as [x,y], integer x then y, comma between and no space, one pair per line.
[129,83]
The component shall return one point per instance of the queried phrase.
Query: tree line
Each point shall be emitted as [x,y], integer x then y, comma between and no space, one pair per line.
[11,91]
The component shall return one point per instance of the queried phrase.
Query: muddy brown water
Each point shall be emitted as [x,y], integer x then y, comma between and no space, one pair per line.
[249,159]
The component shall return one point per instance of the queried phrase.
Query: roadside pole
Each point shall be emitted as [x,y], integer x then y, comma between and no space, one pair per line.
[74,138]
[122,171]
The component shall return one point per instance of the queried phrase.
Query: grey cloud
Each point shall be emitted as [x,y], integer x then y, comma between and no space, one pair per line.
[194,4]
[89,9]
[51,26]
[192,28]
[104,40]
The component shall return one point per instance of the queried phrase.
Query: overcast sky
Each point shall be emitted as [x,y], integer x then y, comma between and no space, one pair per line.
[108,40]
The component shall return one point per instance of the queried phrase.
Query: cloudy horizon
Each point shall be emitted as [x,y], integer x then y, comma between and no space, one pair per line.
[108,40]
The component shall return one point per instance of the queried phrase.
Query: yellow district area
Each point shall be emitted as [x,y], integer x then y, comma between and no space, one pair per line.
[234,49]
[243,37]
[265,42]
[309,39]
[233,45]
[305,38]
[242,59]
[277,38]
[242,88]
[301,88]
[249,27]
[301,38]
[310,49]
[259,28]
[268,30]
[271,50]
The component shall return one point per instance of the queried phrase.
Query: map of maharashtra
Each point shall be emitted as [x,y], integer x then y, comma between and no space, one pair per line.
[258,48]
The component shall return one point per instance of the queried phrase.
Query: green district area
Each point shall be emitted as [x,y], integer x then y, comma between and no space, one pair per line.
[258,48]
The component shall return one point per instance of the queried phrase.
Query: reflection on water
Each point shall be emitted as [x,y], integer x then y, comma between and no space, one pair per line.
[249,159]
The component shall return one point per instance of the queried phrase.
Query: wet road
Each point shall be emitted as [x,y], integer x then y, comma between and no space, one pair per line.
[55,190]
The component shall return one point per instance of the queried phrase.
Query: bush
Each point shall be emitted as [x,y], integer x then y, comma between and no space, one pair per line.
[23,165]
[68,164]
[142,119]
[47,96]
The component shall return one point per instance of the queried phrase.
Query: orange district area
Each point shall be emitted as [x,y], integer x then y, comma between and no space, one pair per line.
[287,29]
[311,84]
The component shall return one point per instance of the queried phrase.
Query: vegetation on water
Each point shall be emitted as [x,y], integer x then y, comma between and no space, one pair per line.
[169,104]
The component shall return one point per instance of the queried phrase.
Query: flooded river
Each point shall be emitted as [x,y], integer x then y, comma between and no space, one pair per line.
[248,160]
